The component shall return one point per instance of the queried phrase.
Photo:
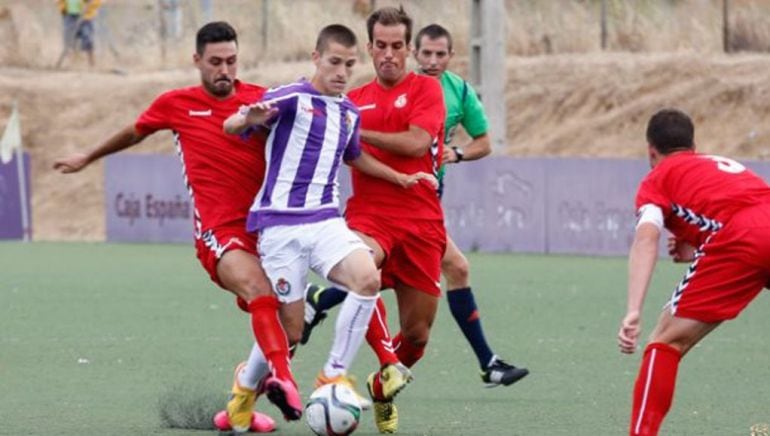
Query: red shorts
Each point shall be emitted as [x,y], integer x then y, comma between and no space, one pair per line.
[214,243]
[733,268]
[413,249]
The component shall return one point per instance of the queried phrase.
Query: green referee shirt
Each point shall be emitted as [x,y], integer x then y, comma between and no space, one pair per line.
[463,107]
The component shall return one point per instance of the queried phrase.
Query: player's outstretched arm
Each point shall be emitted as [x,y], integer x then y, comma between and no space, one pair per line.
[252,115]
[368,164]
[641,263]
[121,140]
[414,142]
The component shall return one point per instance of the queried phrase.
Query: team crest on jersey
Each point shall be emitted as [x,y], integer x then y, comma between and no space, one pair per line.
[282,286]
[400,101]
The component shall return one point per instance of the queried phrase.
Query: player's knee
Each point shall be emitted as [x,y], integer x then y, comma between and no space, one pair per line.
[416,336]
[456,269]
[366,282]
[250,288]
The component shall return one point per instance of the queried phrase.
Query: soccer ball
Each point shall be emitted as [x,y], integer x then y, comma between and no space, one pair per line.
[333,410]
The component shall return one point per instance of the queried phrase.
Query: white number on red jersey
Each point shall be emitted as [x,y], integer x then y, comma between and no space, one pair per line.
[727,165]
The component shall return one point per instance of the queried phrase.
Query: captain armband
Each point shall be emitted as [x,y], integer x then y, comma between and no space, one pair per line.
[650,213]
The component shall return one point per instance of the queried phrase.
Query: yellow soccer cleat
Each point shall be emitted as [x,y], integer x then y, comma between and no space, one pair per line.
[240,406]
[387,382]
[386,416]
[347,380]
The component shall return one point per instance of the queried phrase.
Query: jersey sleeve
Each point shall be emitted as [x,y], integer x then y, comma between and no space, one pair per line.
[353,149]
[650,192]
[428,112]
[474,119]
[283,99]
[156,117]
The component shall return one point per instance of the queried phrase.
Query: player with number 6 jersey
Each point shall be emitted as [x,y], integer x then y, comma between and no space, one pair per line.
[710,202]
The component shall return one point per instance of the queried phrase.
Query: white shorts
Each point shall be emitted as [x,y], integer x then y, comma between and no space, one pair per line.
[288,252]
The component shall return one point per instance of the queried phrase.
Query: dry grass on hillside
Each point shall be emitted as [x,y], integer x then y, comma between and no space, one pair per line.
[576,102]
[31,30]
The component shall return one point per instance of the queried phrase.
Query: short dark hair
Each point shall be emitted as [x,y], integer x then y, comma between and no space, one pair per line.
[433,31]
[217,31]
[389,16]
[670,130]
[335,33]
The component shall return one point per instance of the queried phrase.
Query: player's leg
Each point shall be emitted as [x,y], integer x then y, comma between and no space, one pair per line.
[229,256]
[239,414]
[729,271]
[240,272]
[357,273]
[378,333]
[416,311]
[654,387]
[462,305]
[320,299]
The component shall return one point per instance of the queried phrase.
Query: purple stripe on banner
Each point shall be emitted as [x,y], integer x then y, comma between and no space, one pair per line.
[328,194]
[11,224]
[281,134]
[310,154]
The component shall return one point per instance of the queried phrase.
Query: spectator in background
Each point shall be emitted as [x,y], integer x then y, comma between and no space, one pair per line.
[77,18]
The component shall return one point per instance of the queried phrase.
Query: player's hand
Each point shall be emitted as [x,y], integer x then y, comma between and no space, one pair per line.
[449,156]
[260,113]
[71,164]
[409,180]
[680,251]
[628,335]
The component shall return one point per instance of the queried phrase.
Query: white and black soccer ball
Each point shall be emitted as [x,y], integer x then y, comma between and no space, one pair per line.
[333,410]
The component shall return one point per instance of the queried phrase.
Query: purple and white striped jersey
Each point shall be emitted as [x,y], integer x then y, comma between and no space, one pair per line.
[309,137]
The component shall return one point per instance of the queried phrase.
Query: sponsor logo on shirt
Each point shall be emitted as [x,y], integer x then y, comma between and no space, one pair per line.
[282,286]
[312,110]
[194,113]
[400,101]
[366,107]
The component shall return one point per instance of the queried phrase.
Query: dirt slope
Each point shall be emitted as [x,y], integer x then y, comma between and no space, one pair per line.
[592,105]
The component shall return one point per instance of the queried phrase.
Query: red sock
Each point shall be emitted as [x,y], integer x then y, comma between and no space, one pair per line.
[270,334]
[378,335]
[407,352]
[654,388]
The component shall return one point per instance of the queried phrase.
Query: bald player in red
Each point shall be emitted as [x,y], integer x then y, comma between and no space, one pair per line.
[710,202]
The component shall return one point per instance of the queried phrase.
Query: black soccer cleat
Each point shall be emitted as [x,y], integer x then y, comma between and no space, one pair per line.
[500,373]
[313,316]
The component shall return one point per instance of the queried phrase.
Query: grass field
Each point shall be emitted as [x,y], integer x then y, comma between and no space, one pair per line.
[97,339]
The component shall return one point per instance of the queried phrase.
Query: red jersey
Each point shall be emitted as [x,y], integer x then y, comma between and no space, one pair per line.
[419,101]
[699,194]
[223,172]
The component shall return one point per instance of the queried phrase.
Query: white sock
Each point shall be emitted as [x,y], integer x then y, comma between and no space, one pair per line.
[349,332]
[256,368]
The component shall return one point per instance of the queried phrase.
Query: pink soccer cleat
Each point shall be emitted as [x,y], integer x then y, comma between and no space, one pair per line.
[260,423]
[284,394]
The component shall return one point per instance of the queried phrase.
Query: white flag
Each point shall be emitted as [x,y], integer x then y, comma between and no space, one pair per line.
[11,140]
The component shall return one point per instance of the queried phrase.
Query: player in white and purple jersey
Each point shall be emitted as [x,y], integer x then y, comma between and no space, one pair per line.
[312,128]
